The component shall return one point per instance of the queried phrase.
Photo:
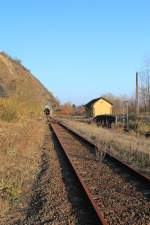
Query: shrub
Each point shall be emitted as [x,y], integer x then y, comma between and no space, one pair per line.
[9,115]
[12,110]
[8,111]
[133,125]
[10,191]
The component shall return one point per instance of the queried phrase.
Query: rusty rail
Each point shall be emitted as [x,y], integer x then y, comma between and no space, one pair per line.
[87,191]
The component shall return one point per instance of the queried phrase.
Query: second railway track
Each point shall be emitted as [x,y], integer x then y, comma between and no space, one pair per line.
[118,195]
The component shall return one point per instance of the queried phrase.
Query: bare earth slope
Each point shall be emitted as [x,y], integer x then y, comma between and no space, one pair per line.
[17,81]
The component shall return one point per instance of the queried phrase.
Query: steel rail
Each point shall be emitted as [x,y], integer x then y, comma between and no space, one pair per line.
[98,212]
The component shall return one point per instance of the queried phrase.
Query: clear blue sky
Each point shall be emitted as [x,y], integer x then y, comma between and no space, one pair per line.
[79,49]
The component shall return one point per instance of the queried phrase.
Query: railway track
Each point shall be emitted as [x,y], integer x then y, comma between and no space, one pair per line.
[119,194]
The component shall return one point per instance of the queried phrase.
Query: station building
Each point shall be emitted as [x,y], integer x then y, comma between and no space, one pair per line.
[98,106]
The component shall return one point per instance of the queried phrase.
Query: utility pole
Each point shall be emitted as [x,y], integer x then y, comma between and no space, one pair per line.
[137,93]
[126,115]
[123,116]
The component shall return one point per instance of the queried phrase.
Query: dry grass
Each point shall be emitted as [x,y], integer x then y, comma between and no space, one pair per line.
[20,145]
[12,110]
[135,150]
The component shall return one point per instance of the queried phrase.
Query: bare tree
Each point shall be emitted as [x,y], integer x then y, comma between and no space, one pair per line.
[144,90]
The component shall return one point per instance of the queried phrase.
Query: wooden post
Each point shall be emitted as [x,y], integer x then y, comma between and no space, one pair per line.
[116,120]
[123,115]
[148,90]
[127,123]
[137,94]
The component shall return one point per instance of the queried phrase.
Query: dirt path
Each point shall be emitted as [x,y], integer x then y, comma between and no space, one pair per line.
[55,199]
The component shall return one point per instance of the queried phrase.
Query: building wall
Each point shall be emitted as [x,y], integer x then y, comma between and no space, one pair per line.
[102,107]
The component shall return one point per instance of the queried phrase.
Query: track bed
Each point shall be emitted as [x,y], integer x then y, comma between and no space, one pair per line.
[118,197]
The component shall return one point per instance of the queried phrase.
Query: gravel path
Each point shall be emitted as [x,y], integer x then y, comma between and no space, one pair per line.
[56,199]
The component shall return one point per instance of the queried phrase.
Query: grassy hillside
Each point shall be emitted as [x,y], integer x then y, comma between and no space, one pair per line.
[22,132]
[21,94]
